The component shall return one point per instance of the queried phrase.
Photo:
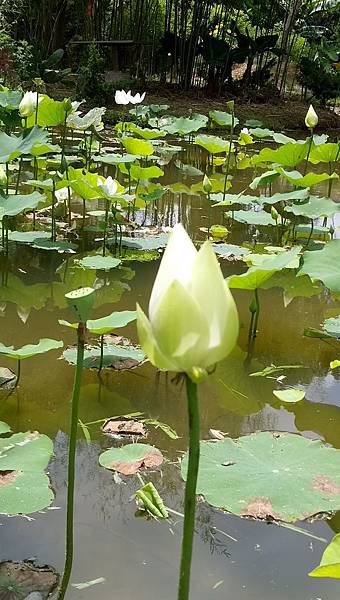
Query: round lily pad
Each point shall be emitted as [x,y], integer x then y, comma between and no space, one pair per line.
[99,262]
[130,458]
[283,477]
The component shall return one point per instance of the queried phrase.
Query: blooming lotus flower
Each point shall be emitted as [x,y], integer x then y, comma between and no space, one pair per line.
[193,321]
[312,118]
[122,97]
[28,104]
[245,130]
[109,186]
[137,98]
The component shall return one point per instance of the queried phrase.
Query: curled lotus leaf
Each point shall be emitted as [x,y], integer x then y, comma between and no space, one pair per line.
[44,345]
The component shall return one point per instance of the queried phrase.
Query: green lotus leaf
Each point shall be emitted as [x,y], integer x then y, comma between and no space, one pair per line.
[114,355]
[137,147]
[145,133]
[110,322]
[27,237]
[16,203]
[61,247]
[44,345]
[212,143]
[289,155]
[151,242]
[264,179]
[290,395]
[181,125]
[50,112]
[302,194]
[261,132]
[4,428]
[13,146]
[10,99]
[332,326]
[233,199]
[323,265]
[315,208]
[258,476]
[307,180]
[83,184]
[103,263]
[227,250]
[327,153]
[281,138]
[252,217]
[330,561]
[257,276]
[45,148]
[223,119]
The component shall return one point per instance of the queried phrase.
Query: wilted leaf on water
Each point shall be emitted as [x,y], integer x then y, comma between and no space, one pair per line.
[25,578]
[7,378]
[330,562]
[272,370]
[130,458]
[276,476]
[149,499]
[117,428]
[290,395]
[24,487]
[324,265]
[118,357]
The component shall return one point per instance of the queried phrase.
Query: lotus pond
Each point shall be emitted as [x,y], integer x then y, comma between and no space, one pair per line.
[84,206]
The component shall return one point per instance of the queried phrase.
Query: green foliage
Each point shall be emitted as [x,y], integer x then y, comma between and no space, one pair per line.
[90,81]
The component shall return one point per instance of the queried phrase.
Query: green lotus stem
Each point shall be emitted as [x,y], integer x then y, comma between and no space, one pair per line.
[229,153]
[18,178]
[308,152]
[190,490]
[18,373]
[105,225]
[36,110]
[7,178]
[53,214]
[71,462]
[257,312]
[101,352]
[311,232]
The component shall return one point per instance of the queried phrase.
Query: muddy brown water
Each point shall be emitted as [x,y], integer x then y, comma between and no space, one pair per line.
[234,558]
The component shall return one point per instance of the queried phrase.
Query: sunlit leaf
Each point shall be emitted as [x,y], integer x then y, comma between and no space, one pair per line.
[290,395]
[324,265]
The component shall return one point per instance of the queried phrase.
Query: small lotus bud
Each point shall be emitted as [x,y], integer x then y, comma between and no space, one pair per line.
[274,213]
[207,185]
[312,118]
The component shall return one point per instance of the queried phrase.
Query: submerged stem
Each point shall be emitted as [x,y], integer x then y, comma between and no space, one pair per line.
[101,352]
[18,373]
[190,490]
[71,462]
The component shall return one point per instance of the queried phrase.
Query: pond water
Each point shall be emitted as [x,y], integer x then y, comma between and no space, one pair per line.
[234,558]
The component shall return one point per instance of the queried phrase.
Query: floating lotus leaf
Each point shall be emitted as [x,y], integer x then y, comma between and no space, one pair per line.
[24,486]
[223,119]
[137,147]
[233,199]
[332,326]
[289,155]
[99,262]
[145,133]
[110,322]
[281,138]
[315,207]
[264,179]
[149,242]
[252,217]
[118,357]
[115,159]
[308,180]
[181,125]
[44,345]
[323,265]
[212,144]
[261,132]
[282,477]
[228,250]
[61,247]
[330,561]
[14,204]
[290,395]
[130,458]
[257,276]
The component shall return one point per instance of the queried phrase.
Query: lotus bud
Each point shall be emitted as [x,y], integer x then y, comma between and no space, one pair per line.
[193,320]
[207,185]
[312,118]
[28,104]
[109,186]
[231,106]
[81,301]
[274,213]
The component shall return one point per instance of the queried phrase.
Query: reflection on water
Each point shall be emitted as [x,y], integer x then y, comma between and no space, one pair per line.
[139,557]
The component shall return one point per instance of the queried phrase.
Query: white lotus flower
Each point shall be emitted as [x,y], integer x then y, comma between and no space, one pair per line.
[122,97]
[28,104]
[137,98]
[193,320]
[312,118]
[245,130]
[109,186]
